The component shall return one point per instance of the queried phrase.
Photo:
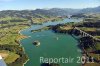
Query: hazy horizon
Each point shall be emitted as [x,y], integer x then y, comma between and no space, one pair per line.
[47,4]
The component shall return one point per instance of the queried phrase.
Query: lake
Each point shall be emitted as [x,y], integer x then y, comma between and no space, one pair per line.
[53,45]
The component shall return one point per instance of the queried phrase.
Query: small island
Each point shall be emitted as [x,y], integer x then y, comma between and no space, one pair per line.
[36,43]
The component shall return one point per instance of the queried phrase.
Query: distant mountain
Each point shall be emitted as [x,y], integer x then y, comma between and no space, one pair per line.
[55,11]
[90,10]
[48,12]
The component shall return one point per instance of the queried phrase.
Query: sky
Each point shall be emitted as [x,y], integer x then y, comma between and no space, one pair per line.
[34,4]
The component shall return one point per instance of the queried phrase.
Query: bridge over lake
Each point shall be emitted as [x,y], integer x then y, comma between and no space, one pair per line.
[84,34]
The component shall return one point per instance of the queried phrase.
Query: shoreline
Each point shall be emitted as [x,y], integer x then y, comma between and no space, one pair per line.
[21,43]
[23,35]
[25,62]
